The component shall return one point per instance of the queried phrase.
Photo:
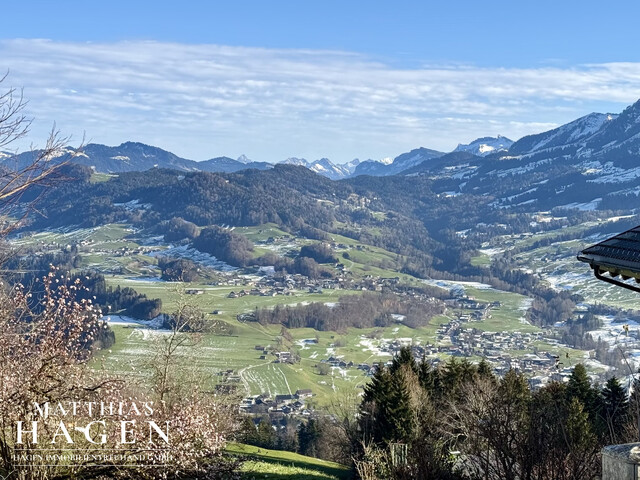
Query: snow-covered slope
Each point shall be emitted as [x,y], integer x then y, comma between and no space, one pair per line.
[576,131]
[326,167]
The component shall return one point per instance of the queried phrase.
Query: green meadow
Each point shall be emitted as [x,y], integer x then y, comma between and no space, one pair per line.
[262,463]
[121,254]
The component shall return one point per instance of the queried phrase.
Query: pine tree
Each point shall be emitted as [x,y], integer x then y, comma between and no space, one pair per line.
[386,412]
[579,386]
[428,376]
[579,433]
[308,435]
[615,408]
[509,423]
[398,408]
[248,431]
[467,371]
[547,446]
[265,436]
[404,357]
[634,403]
[451,376]
[582,442]
[484,370]
[375,421]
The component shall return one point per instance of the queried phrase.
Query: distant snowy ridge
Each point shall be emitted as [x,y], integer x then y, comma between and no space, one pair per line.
[572,133]
[325,167]
[132,156]
[486,145]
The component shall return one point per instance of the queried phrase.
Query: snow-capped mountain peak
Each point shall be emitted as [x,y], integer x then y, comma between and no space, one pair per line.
[485,145]
[302,162]
[243,159]
[326,167]
[351,166]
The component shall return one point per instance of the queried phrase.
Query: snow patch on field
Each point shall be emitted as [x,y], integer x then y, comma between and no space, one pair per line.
[618,175]
[451,285]
[491,251]
[583,207]
[368,346]
[280,248]
[133,205]
[154,324]
[613,332]
[146,279]
[523,307]
[305,342]
[149,334]
[189,253]
[567,280]
[120,320]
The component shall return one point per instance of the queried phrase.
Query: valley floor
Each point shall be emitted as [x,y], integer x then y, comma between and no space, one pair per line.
[236,354]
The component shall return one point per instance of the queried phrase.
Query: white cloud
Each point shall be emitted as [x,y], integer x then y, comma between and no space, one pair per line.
[201,101]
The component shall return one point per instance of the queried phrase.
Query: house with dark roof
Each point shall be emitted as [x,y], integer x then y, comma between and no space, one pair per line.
[616,260]
[304,392]
[284,398]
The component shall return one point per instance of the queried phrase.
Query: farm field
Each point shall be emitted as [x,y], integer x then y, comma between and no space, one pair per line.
[216,297]
[129,259]
[217,353]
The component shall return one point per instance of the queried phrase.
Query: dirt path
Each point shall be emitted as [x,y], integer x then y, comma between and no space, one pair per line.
[244,381]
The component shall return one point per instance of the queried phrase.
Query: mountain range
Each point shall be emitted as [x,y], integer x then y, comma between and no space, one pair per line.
[590,163]
[326,167]
[600,145]
[433,212]
[135,156]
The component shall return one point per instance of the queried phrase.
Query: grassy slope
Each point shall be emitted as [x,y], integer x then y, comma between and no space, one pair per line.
[276,464]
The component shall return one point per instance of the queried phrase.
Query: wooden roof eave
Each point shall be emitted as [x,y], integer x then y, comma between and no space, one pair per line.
[615,268]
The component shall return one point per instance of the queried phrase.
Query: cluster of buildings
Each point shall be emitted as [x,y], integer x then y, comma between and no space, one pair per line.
[292,403]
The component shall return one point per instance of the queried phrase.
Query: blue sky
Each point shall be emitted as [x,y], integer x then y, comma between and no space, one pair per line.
[311,79]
